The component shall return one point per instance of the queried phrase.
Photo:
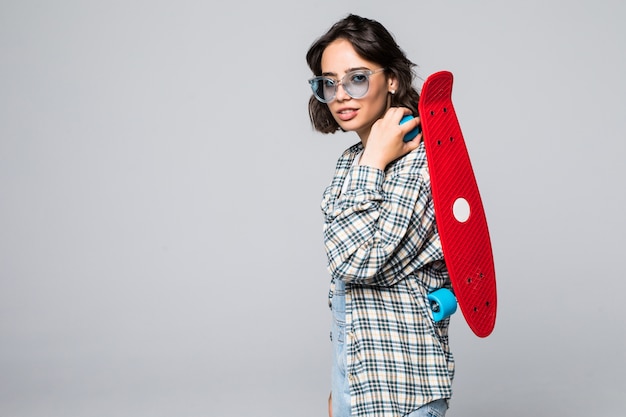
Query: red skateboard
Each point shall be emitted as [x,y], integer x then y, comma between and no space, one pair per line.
[459,211]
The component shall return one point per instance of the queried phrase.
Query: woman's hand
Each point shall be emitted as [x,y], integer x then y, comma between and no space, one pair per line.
[385,143]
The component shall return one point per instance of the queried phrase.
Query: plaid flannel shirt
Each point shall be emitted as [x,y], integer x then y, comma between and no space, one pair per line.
[382,241]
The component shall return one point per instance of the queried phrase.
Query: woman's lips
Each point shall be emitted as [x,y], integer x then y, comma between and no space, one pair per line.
[347,114]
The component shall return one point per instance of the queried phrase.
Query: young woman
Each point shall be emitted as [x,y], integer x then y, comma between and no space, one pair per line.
[384,253]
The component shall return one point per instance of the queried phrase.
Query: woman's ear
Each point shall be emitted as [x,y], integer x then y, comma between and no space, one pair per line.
[392,84]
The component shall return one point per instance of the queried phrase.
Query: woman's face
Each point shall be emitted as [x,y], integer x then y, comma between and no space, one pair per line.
[354,114]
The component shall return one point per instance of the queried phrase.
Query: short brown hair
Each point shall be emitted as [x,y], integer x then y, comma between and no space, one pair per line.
[374,43]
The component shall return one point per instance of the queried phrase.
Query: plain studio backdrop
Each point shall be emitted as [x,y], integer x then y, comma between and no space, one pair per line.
[160,231]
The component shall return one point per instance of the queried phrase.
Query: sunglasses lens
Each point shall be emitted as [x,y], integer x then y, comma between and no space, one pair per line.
[356,84]
[323,88]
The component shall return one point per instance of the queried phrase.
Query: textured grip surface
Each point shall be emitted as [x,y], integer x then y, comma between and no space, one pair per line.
[459,211]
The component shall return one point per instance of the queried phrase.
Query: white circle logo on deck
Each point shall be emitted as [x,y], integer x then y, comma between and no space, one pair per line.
[461,210]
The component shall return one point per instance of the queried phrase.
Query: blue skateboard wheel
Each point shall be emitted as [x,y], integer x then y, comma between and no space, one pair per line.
[413,133]
[442,303]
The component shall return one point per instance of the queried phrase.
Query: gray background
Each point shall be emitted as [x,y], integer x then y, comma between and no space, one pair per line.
[160,232]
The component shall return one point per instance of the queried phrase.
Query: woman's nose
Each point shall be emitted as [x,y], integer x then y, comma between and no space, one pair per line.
[341,94]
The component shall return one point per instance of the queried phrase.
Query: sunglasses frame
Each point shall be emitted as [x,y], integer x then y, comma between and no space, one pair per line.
[336,83]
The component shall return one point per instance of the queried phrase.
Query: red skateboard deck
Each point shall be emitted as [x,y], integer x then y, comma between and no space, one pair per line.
[459,211]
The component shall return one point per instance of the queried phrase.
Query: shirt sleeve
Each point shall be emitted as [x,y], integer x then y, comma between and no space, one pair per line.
[378,226]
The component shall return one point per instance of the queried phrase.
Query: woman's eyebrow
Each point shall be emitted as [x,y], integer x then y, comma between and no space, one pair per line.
[326,74]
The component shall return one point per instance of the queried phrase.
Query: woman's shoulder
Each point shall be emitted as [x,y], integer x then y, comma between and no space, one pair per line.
[413,163]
